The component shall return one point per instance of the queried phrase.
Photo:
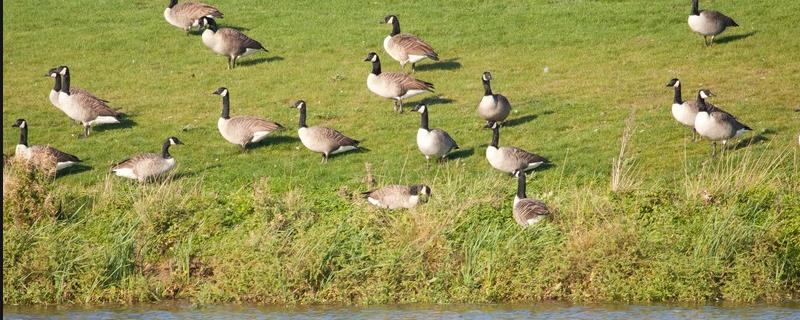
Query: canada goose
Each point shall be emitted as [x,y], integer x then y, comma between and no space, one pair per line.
[53,73]
[82,106]
[715,124]
[148,165]
[321,139]
[527,211]
[708,22]
[493,107]
[242,130]
[405,47]
[187,15]
[393,85]
[510,159]
[432,142]
[683,111]
[397,196]
[228,42]
[62,159]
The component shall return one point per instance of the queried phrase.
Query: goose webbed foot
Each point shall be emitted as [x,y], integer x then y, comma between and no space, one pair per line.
[324,159]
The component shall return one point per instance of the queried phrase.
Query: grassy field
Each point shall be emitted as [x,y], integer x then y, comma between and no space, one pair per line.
[272,225]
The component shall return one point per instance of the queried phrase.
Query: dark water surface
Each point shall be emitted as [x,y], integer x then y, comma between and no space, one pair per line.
[502,311]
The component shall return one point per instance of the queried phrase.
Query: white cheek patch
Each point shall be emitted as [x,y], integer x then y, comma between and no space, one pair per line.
[374,58]
[23,124]
[225,92]
[703,94]
[63,71]
[391,19]
[677,84]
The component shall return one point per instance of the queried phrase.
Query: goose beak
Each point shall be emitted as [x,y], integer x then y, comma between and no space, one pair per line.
[15,125]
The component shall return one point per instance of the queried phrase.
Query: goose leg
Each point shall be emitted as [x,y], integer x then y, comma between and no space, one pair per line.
[712,39]
[713,148]
[413,67]
[694,135]
[400,101]
[324,158]
[229,62]
[395,106]
[85,133]
[234,61]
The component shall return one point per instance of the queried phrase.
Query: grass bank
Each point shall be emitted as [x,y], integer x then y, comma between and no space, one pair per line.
[271,225]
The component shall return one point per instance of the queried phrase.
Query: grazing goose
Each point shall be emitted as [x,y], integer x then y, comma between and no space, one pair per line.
[242,130]
[148,165]
[321,139]
[493,107]
[397,196]
[683,111]
[432,142]
[405,47]
[527,211]
[510,159]
[62,159]
[715,124]
[228,42]
[188,14]
[708,22]
[393,85]
[53,73]
[82,106]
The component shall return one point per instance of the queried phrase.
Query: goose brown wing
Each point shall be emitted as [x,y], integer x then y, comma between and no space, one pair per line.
[527,209]
[525,155]
[416,46]
[131,162]
[253,124]
[74,90]
[336,137]
[195,11]
[86,99]
[385,192]
[59,155]
[446,137]
[239,38]
[407,82]
[719,16]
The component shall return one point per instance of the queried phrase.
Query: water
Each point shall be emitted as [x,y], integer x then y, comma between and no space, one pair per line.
[531,311]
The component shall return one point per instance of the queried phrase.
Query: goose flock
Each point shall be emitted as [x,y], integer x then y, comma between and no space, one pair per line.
[81,106]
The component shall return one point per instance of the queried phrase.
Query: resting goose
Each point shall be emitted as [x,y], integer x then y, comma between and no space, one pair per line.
[493,107]
[393,85]
[228,42]
[321,139]
[149,165]
[432,142]
[62,159]
[242,130]
[683,111]
[188,14]
[708,22]
[397,196]
[715,124]
[405,47]
[510,159]
[527,211]
[82,106]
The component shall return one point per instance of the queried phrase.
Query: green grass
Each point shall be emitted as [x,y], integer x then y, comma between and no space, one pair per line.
[270,224]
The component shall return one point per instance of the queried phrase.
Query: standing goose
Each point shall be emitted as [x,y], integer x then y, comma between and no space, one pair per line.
[493,107]
[228,42]
[188,14]
[708,22]
[393,85]
[715,124]
[510,159]
[321,139]
[62,159]
[432,142]
[527,211]
[82,106]
[148,165]
[683,111]
[405,47]
[242,130]
[54,93]
[397,196]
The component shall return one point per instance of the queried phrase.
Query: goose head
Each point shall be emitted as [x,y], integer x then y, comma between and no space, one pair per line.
[705,93]
[63,70]
[492,125]
[519,173]
[174,140]
[53,72]
[674,83]
[209,23]
[487,76]
[421,190]
[172,3]
[390,19]
[299,104]
[421,108]
[372,57]
[20,123]
[222,91]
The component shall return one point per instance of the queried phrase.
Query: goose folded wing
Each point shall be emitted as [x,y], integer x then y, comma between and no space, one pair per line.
[407,82]
[96,105]
[337,138]
[529,208]
[719,16]
[253,124]
[196,11]
[525,155]
[729,118]
[446,138]
[132,162]
[79,91]
[59,155]
[415,46]
[240,38]
[386,192]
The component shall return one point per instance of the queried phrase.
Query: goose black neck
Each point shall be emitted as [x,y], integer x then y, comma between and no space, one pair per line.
[57,83]
[521,186]
[226,107]
[303,117]
[424,120]
[172,3]
[376,67]
[395,27]
[678,98]
[695,8]
[495,137]
[701,103]
[23,135]
[65,83]
[165,150]
[487,88]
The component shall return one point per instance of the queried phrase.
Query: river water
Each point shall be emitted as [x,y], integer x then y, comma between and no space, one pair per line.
[517,311]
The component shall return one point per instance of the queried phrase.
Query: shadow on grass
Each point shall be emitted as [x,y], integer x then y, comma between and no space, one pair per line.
[434,100]
[126,123]
[251,62]
[735,37]
[520,120]
[75,169]
[449,64]
[461,154]
[757,138]
[275,140]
